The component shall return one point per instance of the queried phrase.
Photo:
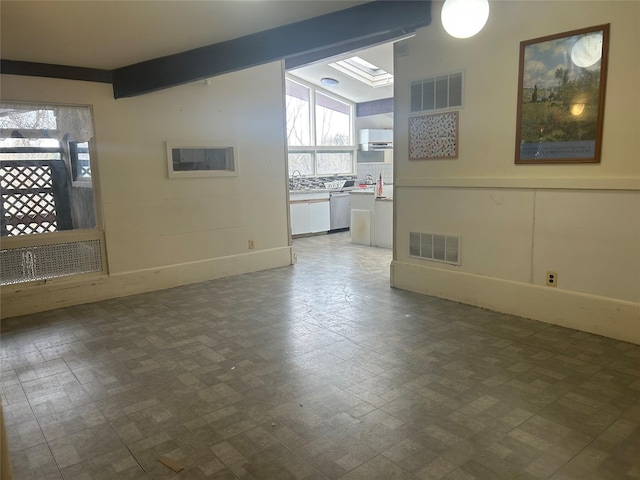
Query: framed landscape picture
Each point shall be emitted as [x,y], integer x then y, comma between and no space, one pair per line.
[561,89]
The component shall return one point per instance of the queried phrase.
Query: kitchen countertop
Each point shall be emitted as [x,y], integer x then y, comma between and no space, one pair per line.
[330,190]
[310,190]
[363,190]
[370,189]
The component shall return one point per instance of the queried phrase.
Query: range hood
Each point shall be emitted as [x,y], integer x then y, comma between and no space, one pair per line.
[375,139]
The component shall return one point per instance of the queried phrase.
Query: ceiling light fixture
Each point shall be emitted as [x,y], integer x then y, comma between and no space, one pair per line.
[329,82]
[464,18]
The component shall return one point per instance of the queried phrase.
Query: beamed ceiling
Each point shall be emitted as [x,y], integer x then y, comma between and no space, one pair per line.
[143,46]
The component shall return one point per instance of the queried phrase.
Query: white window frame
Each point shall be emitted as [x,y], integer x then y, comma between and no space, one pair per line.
[28,242]
[314,149]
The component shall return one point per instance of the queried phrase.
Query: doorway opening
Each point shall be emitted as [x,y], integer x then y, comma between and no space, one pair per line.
[340,147]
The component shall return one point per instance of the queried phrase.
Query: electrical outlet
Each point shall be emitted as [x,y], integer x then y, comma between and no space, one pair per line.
[252,244]
[552,279]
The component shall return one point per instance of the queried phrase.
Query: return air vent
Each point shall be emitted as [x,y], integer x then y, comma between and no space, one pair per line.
[41,262]
[435,247]
[437,93]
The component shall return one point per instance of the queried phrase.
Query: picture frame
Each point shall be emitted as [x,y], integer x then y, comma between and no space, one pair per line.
[561,96]
[193,160]
[433,136]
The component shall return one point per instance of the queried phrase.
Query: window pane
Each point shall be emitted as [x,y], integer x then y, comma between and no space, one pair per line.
[333,121]
[83,168]
[27,117]
[32,144]
[45,151]
[298,114]
[30,156]
[300,162]
[330,163]
[202,159]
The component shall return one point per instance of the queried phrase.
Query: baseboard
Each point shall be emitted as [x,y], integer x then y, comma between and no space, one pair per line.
[26,298]
[609,317]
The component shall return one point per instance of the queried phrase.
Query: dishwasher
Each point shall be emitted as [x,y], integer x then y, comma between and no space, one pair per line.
[340,206]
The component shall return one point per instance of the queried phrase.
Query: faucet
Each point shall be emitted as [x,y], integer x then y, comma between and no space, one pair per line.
[295,183]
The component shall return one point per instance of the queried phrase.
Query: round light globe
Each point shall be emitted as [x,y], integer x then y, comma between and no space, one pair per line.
[587,51]
[329,82]
[464,18]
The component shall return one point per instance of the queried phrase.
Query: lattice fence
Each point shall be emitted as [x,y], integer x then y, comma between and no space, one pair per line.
[27,199]
[85,171]
[31,196]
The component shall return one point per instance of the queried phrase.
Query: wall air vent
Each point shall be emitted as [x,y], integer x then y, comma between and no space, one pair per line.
[435,247]
[441,92]
[41,262]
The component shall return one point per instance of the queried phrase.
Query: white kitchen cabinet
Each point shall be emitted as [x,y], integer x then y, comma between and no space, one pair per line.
[363,200]
[376,228]
[362,209]
[300,218]
[310,213]
[383,224]
[320,213]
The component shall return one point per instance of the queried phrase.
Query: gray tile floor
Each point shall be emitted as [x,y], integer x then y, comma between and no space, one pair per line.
[316,371]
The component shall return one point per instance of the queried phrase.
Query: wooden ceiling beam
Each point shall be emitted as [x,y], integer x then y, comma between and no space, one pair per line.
[297,43]
[33,69]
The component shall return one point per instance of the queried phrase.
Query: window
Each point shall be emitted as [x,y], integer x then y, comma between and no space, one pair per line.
[301,162]
[80,162]
[298,114]
[186,161]
[46,188]
[45,169]
[328,163]
[333,121]
[319,131]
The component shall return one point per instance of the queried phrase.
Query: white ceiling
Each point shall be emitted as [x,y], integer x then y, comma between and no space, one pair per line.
[349,88]
[116,33]
[112,34]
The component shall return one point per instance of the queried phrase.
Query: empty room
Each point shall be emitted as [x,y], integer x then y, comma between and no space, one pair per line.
[160,318]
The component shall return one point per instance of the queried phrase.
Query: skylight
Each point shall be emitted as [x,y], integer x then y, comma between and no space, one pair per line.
[364,65]
[363,71]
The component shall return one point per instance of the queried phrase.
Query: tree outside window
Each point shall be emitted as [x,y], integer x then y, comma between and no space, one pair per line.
[319,131]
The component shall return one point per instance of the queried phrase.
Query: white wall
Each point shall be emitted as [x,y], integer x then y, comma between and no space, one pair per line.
[519,221]
[162,232]
[381,120]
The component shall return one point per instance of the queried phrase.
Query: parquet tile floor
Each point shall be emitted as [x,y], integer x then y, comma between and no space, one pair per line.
[315,371]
